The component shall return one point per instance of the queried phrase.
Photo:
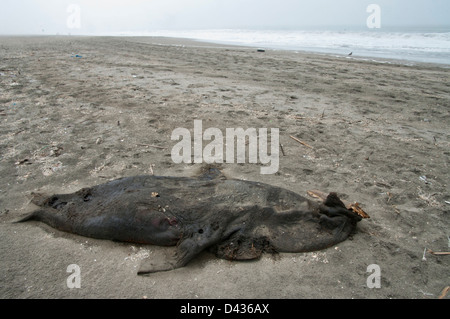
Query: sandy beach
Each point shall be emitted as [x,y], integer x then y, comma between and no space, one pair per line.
[79,111]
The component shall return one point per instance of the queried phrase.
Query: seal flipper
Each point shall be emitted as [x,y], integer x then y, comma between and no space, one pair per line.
[164,260]
[184,253]
[186,250]
[333,206]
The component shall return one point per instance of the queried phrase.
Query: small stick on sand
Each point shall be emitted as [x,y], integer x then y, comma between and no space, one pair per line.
[151,169]
[282,150]
[303,143]
[396,210]
[150,145]
[444,292]
[438,253]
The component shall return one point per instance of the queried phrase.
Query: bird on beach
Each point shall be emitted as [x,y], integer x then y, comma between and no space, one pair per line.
[350,53]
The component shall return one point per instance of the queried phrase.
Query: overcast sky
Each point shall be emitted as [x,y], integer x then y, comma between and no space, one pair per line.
[114,16]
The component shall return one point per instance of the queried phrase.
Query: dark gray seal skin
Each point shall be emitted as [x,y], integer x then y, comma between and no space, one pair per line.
[235,219]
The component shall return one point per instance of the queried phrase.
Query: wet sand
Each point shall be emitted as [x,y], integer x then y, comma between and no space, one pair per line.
[378,134]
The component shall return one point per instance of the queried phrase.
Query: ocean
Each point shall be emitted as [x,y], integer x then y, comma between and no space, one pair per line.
[427,44]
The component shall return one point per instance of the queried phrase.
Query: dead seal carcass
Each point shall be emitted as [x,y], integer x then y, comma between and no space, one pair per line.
[236,219]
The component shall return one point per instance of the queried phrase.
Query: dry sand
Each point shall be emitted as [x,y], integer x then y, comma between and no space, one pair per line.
[379,131]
